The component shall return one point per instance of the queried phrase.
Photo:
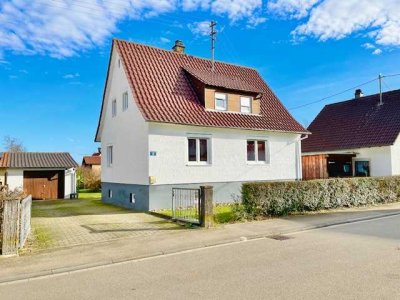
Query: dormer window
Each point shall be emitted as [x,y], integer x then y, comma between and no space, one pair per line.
[221,101]
[245,105]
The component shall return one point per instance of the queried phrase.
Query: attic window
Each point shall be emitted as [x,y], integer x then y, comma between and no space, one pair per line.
[245,104]
[220,101]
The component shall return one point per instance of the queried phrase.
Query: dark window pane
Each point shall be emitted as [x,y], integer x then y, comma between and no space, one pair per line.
[362,168]
[192,149]
[261,150]
[203,150]
[251,155]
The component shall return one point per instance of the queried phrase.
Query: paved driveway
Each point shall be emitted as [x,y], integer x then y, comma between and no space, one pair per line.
[64,223]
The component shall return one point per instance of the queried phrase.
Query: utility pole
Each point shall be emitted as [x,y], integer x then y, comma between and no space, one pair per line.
[212,35]
[380,89]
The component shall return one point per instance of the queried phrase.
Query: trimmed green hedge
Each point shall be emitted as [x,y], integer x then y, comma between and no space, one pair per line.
[282,198]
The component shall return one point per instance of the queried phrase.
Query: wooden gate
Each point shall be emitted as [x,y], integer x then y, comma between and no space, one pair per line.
[44,184]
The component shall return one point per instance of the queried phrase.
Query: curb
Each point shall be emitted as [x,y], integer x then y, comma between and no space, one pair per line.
[105,263]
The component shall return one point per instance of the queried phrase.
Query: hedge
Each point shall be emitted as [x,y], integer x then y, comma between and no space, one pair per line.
[282,198]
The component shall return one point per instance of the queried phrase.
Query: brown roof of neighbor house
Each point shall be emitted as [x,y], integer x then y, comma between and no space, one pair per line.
[356,123]
[92,160]
[163,91]
[25,160]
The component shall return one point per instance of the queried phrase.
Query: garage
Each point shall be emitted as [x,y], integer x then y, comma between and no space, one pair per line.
[44,184]
[43,175]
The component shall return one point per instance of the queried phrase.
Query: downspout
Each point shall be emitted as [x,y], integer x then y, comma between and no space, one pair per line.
[299,168]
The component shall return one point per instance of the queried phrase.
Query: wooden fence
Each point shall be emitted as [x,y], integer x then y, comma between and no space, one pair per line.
[15,225]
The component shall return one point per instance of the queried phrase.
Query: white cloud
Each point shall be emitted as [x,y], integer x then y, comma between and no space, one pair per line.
[332,19]
[189,5]
[255,21]
[71,76]
[200,28]
[164,40]
[368,46]
[236,9]
[377,52]
[292,8]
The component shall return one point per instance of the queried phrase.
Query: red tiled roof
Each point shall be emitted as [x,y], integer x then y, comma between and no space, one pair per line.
[163,91]
[92,160]
[356,123]
[37,160]
[220,80]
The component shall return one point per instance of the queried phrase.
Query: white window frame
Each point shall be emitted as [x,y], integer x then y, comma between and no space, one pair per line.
[114,108]
[267,152]
[242,106]
[110,155]
[125,101]
[219,96]
[198,162]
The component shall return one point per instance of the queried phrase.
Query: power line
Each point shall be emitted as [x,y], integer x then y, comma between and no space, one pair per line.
[342,92]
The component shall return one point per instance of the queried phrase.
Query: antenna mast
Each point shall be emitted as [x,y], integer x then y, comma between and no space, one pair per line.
[212,34]
[380,89]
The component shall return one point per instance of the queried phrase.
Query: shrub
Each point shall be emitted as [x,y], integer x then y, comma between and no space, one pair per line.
[89,179]
[282,198]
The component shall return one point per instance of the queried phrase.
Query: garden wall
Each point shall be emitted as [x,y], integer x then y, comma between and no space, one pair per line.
[281,198]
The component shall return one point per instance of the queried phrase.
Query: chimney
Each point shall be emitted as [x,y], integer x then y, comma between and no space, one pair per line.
[358,94]
[179,47]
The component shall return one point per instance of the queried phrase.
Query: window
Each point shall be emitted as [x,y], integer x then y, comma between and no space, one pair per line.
[109,193]
[257,151]
[114,108]
[361,168]
[198,150]
[109,156]
[132,198]
[220,101]
[245,105]
[124,101]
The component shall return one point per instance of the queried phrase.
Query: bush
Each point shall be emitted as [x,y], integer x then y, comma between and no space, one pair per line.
[282,198]
[89,179]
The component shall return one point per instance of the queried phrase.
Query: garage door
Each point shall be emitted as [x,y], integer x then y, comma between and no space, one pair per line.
[44,184]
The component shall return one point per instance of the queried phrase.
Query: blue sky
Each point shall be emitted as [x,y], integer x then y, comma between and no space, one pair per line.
[53,63]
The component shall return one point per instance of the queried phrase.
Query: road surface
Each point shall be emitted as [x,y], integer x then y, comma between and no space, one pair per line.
[358,261]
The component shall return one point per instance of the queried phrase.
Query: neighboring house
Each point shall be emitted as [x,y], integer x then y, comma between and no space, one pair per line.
[168,121]
[358,137]
[43,175]
[92,162]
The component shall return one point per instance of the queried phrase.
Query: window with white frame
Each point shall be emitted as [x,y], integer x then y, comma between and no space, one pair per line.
[257,151]
[221,102]
[109,156]
[245,104]
[114,108]
[124,101]
[198,150]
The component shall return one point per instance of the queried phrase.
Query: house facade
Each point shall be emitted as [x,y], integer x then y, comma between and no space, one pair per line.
[168,121]
[92,162]
[40,174]
[358,137]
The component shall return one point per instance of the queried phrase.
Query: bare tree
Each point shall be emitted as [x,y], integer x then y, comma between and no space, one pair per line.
[13,145]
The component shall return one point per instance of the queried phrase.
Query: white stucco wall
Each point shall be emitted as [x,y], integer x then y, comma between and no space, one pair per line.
[127,133]
[69,182]
[15,178]
[228,155]
[395,153]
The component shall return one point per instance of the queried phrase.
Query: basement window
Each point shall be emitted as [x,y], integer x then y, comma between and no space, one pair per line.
[257,151]
[198,150]
[220,101]
[110,193]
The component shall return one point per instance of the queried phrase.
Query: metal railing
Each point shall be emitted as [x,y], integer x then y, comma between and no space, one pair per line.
[186,205]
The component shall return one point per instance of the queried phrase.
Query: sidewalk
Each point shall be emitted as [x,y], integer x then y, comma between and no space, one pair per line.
[105,253]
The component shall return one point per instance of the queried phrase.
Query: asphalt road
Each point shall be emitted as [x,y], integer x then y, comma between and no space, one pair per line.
[357,261]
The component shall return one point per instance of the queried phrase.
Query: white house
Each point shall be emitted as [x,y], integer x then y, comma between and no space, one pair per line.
[167,120]
[40,174]
[358,137]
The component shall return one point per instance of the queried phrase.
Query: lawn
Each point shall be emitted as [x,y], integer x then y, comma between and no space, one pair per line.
[223,213]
